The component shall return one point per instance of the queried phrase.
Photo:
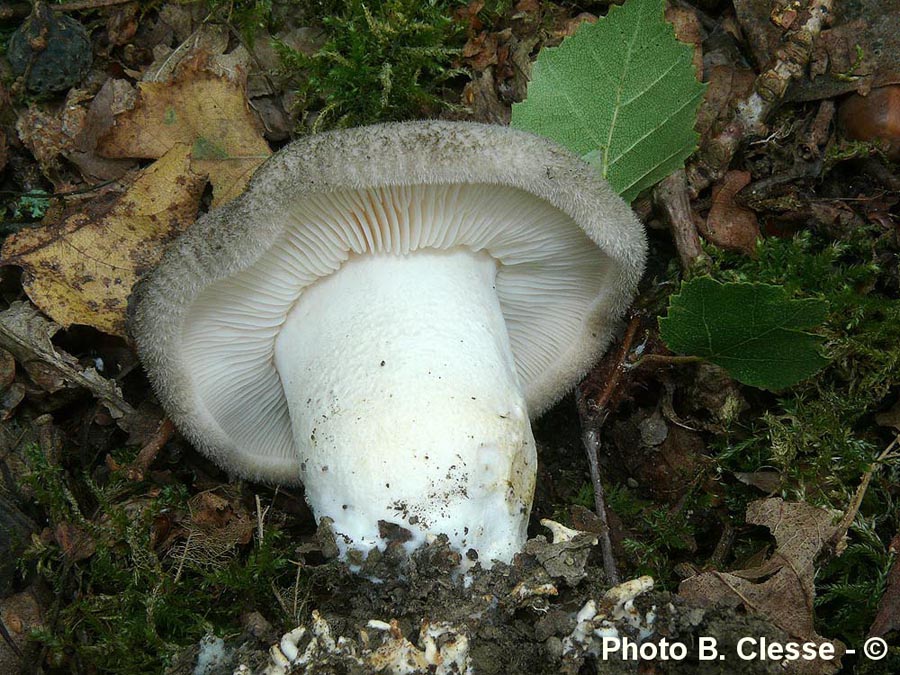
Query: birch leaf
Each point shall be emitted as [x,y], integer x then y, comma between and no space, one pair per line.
[622,93]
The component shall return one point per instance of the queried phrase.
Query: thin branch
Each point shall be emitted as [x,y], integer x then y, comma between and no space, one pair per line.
[590,437]
[672,196]
[592,414]
[665,360]
[853,509]
[141,465]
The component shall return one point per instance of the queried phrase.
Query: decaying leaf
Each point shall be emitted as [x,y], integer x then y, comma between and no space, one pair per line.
[217,524]
[82,270]
[890,417]
[781,587]
[730,225]
[75,541]
[26,335]
[204,111]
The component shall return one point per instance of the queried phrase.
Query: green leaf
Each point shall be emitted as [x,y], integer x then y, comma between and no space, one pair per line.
[622,93]
[755,331]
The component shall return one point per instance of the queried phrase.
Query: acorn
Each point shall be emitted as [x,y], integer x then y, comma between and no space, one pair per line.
[875,117]
[52,52]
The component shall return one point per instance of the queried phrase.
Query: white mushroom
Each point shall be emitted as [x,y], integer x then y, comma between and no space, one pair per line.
[379,314]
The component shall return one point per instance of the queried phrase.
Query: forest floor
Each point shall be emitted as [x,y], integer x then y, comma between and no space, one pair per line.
[755,512]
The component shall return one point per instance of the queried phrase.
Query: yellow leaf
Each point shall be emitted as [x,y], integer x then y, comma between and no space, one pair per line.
[207,112]
[82,269]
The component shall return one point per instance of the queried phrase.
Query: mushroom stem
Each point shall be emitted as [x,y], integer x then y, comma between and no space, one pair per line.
[405,403]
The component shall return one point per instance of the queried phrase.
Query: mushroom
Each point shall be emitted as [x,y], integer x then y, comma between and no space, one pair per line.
[379,314]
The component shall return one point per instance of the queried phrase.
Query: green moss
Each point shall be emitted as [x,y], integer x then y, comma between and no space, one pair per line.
[245,16]
[821,434]
[130,605]
[381,61]
[658,535]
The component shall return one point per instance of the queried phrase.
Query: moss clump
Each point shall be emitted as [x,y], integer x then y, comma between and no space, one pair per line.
[821,434]
[381,61]
[127,602]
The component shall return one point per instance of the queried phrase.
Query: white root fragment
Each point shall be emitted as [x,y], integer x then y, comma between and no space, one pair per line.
[560,532]
[614,614]
[443,650]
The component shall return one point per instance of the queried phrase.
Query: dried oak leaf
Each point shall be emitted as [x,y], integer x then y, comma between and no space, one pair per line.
[27,336]
[208,113]
[82,269]
[781,587]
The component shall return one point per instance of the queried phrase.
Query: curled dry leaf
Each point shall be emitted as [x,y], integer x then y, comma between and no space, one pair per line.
[781,587]
[81,271]
[206,112]
[730,225]
[11,392]
[75,541]
[27,336]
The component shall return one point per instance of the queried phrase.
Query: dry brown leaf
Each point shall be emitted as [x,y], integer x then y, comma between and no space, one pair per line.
[206,112]
[725,85]
[730,225]
[27,336]
[82,270]
[780,588]
[766,480]
[76,543]
[481,51]
[688,30]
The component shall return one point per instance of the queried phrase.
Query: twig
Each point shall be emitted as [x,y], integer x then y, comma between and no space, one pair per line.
[8,639]
[590,437]
[260,517]
[187,547]
[818,132]
[592,414]
[853,509]
[87,5]
[792,57]
[672,196]
[23,9]
[141,464]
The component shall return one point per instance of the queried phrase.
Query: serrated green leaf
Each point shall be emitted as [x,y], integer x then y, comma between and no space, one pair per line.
[755,331]
[622,93]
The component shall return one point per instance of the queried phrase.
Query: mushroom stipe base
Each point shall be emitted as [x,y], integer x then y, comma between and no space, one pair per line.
[405,403]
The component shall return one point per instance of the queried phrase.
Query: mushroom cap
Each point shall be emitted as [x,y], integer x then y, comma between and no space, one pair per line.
[570,253]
